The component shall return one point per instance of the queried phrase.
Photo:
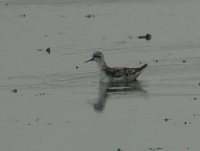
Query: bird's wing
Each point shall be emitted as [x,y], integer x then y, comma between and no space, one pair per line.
[115,72]
[120,72]
[124,72]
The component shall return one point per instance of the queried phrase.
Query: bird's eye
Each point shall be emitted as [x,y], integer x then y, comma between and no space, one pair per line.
[97,56]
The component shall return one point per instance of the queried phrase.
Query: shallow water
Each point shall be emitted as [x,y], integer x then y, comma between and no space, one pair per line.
[60,104]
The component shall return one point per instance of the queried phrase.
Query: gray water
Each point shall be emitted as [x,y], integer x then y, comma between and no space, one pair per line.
[60,103]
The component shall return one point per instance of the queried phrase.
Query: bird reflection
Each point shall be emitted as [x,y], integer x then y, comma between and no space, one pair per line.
[120,88]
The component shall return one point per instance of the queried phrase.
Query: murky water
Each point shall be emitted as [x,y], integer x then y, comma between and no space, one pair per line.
[60,103]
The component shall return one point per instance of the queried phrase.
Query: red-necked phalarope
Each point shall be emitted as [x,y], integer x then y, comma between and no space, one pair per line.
[115,74]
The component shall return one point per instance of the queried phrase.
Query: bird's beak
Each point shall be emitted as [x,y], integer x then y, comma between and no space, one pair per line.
[89,60]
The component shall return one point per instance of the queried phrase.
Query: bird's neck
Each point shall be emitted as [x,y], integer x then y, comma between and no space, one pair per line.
[102,65]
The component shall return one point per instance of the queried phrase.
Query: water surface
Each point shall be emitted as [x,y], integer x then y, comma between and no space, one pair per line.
[60,104]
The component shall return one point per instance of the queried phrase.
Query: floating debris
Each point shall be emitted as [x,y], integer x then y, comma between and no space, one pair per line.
[196,115]
[195,98]
[29,124]
[187,122]
[39,49]
[23,15]
[45,35]
[147,36]
[48,50]
[40,94]
[156,61]
[119,149]
[14,91]
[90,16]
[156,148]
[184,61]
[166,119]
[77,67]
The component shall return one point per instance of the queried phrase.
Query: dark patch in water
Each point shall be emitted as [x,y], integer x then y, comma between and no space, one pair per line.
[196,115]
[23,15]
[155,148]
[40,94]
[39,49]
[166,119]
[184,61]
[90,16]
[37,119]
[48,50]
[186,123]
[119,149]
[195,98]
[14,91]
[49,123]
[155,61]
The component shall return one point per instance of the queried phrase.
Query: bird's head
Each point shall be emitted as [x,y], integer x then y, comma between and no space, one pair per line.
[97,56]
